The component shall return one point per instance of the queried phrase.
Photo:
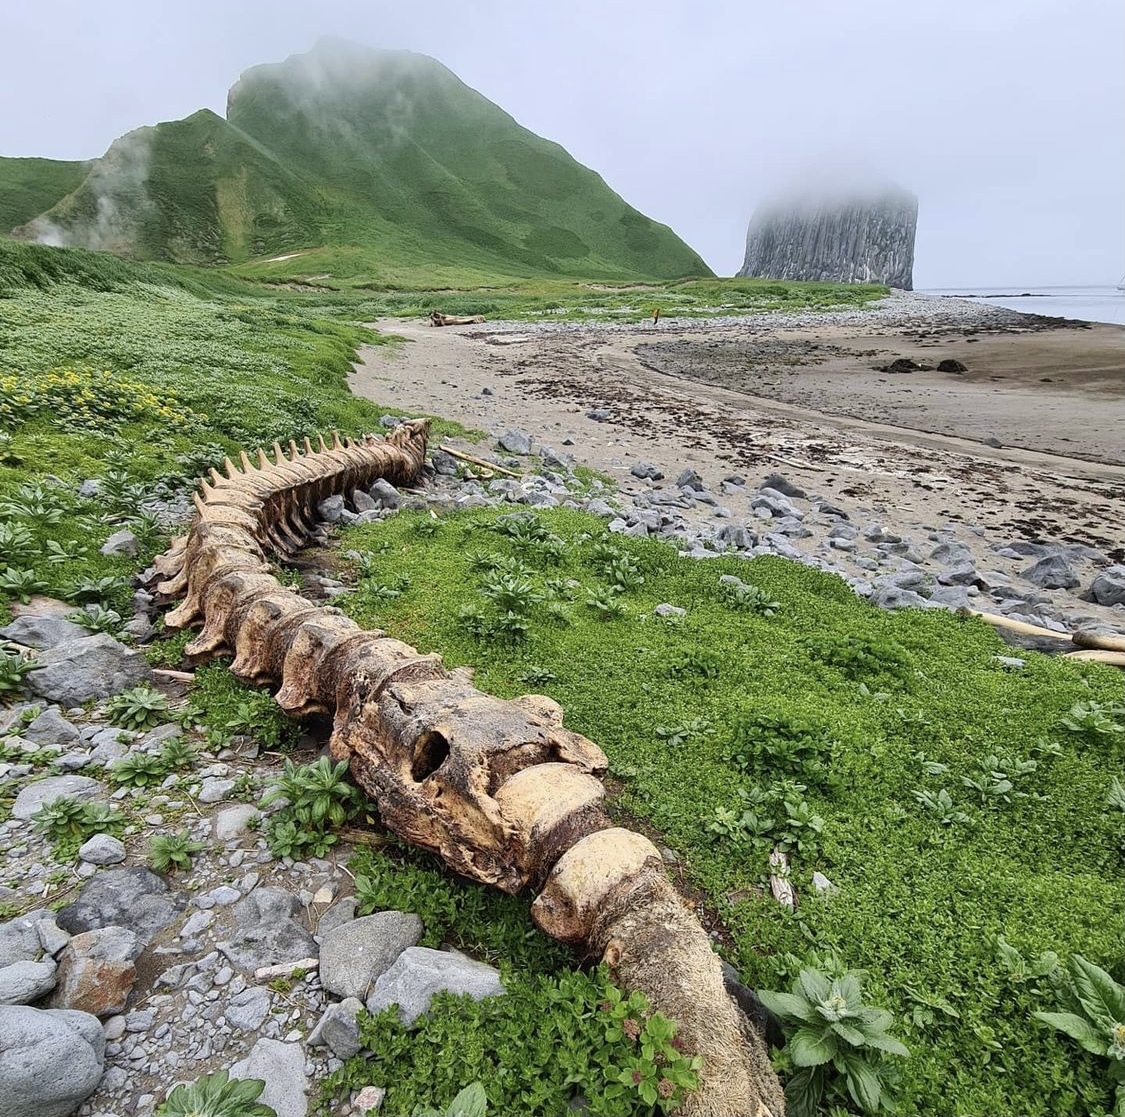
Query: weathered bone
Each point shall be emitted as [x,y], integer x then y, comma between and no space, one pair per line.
[501,790]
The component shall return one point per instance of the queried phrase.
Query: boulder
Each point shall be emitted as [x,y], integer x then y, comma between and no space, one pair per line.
[354,954]
[1108,588]
[443,463]
[96,971]
[515,442]
[122,542]
[331,509]
[51,1060]
[19,939]
[689,479]
[385,494]
[781,485]
[42,632]
[248,1010]
[1052,572]
[135,898]
[281,1066]
[93,667]
[647,471]
[45,791]
[24,982]
[51,728]
[419,973]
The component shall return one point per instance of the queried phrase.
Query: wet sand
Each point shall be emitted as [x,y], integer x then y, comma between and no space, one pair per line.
[797,394]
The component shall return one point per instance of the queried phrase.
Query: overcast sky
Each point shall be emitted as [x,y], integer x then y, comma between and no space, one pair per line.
[1006,117]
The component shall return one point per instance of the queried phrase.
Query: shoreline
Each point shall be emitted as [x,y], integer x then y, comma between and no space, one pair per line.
[585,396]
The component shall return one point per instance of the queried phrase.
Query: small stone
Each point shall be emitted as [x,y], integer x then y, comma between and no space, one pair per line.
[823,885]
[666,610]
[368,1100]
[385,494]
[24,982]
[331,509]
[343,911]
[51,937]
[102,849]
[248,1009]
[779,484]
[51,728]
[215,790]
[96,971]
[1011,662]
[362,502]
[224,895]
[598,414]
[689,479]
[114,1027]
[1051,572]
[122,542]
[443,463]
[1108,588]
[338,1029]
[647,471]
[140,1020]
[232,822]
[354,954]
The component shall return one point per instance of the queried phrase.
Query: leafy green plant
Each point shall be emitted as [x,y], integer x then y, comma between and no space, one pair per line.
[1093,1014]
[317,797]
[96,618]
[168,851]
[140,707]
[257,716]
[88,591]
[216,1095]
[675,735]
[13,670]
[698,663]
[606,603]
[70,822]
[510,594]
[17,544]
[1100,722]
[772,745]
[940,805]
[858,656]
[836,1042]
[20,583]
[138,769]
[472,1101]
[537,676]
[749,598]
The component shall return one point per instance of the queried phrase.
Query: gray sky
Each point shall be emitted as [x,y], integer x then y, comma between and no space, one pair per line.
[1006,117]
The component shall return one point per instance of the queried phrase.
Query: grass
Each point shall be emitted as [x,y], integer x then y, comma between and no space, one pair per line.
[920,903]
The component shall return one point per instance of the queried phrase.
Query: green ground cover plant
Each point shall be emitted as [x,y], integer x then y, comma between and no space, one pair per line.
[829,723]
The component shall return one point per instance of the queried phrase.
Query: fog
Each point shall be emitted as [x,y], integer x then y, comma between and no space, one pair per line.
[1005,117]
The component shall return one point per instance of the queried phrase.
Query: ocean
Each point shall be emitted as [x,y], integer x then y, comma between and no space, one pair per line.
[1088,304]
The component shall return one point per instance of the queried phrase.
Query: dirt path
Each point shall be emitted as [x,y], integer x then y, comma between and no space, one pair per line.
[546,381]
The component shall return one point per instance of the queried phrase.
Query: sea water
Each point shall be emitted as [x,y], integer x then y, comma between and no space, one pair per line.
[1088,304]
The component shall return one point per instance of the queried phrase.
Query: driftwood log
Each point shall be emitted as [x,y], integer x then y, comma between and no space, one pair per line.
[439,319]
[501,790]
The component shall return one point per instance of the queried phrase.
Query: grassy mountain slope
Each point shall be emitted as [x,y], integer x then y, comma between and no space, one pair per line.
[400,141]
[365,164]
[30,186]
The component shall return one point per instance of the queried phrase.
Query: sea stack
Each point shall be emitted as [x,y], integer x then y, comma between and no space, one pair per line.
[864,236]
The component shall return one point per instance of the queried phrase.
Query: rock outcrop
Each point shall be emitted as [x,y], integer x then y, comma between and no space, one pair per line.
[865,237]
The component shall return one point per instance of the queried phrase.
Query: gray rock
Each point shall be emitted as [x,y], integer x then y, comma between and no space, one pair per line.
[51,728]
[233,822]
[248,1010]
[102,849]
[52,1060]
[136,898]
[362,502]
[282,1067]
[45,791]
[444,463]
[42,632]
[666,610]
[1108,588]
[419,973]
[894,597]
[689,479]
[215,790]
[515,442]
[598,414]
[1052,572]
[735,535]
[92,667]
[647,471]
[964,574]
[779,484]
[338,1030]
[823,885]
[90,488]
[19,939]
[108,746]
[776,505]
[953,597]
[265,932]
[51,937]
[122,542]
[827,508]
[600,508]
[1011,662]
[331,509]
[24,982]
[385,494]
[353,955]
[951,554]
[341,912]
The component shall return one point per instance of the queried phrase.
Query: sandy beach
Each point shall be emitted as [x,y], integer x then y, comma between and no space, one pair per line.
[1026,445]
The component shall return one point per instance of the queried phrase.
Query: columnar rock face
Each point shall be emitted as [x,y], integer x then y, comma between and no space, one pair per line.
[864,238]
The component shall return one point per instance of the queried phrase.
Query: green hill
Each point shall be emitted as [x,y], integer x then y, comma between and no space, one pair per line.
[362,163]
[30,186]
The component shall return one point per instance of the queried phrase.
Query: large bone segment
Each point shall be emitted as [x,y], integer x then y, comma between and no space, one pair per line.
[502,791]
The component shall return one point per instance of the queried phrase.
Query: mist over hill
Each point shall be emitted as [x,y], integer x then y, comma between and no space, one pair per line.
[386,152]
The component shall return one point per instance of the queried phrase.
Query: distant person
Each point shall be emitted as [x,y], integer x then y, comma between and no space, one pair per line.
[656,316]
